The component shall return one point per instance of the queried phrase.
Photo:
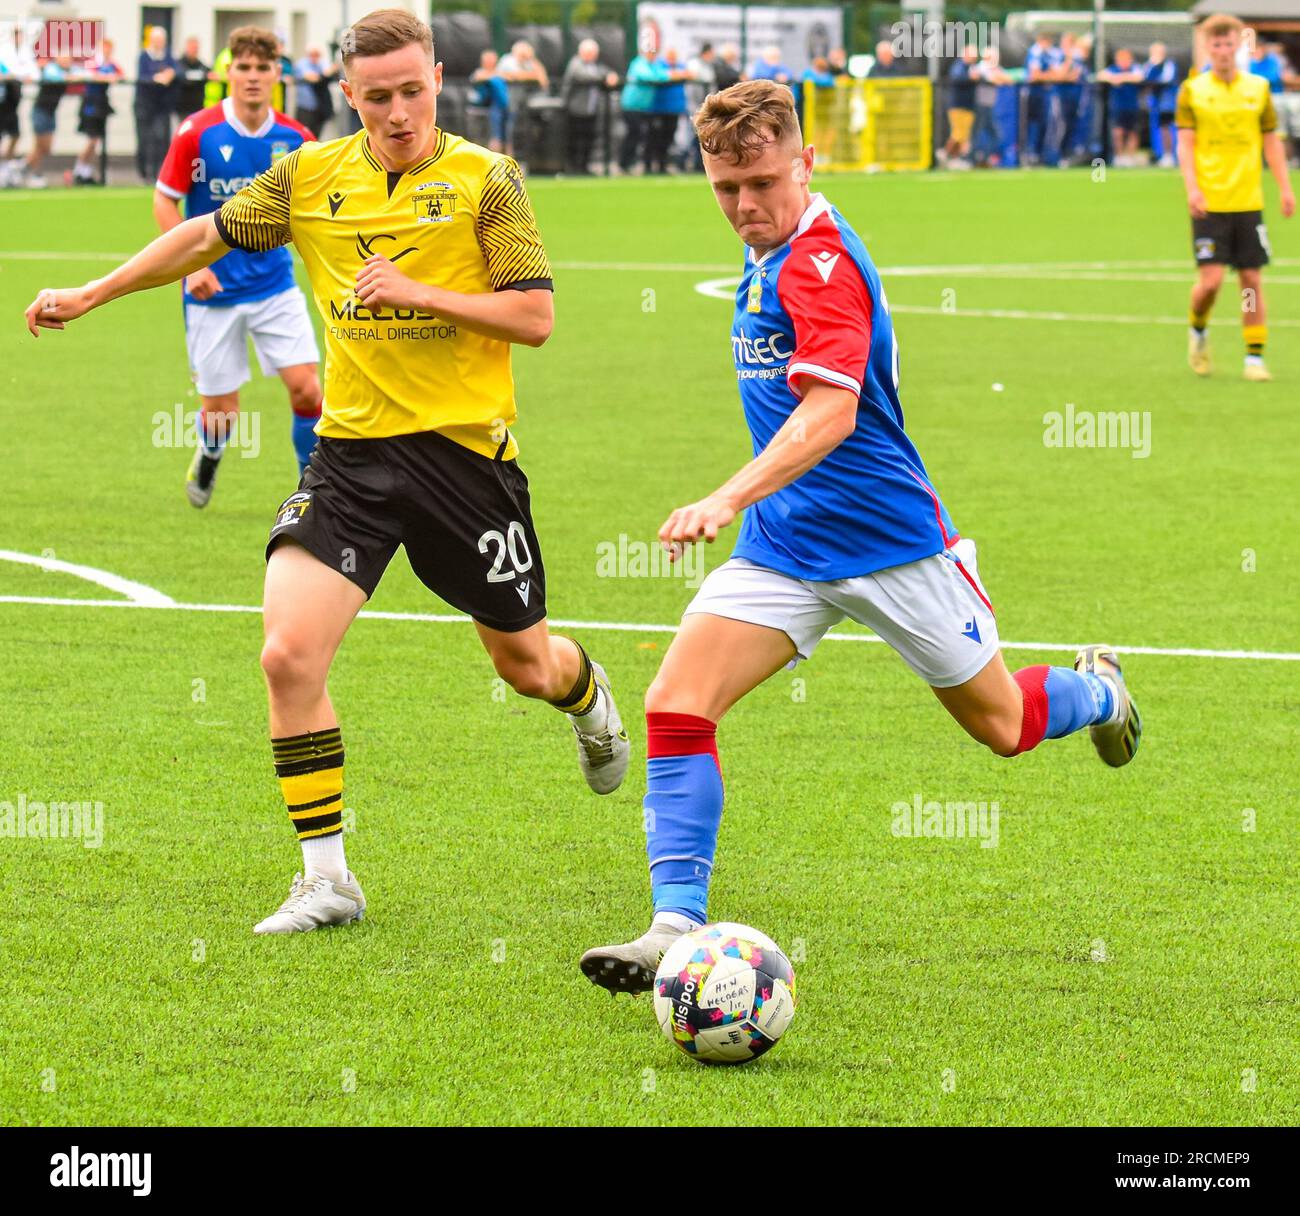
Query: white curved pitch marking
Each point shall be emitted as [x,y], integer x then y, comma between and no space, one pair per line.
[719,289]
[136,593]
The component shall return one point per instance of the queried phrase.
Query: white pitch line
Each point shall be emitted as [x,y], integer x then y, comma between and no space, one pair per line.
[1185,652]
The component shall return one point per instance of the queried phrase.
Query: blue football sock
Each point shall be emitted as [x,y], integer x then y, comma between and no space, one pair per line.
[683,810]
[304,439]
[1074,700]
[212,448]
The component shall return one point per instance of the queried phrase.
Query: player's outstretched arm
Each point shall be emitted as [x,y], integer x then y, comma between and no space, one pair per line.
[186,248]
[823,420]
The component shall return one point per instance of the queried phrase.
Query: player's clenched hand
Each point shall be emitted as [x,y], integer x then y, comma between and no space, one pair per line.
[52,309]
[702,520]
[1196,204]
[381,285]
[202,284]
[1288,205]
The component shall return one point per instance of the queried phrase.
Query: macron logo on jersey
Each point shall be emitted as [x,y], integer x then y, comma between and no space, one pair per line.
[825,263]
[226,152]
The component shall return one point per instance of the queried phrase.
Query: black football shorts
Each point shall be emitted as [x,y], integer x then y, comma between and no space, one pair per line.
[1231,238]
[465,521]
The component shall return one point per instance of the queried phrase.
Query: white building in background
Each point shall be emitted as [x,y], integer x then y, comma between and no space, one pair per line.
[299,23]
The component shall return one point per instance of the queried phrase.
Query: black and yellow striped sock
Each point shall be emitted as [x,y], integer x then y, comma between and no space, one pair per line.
[1198,320]
[581,698]
[310,769]
[1254,336]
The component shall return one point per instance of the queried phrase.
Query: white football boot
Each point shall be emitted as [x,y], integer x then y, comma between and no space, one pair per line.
[603,756]
[315,901]
[632,966]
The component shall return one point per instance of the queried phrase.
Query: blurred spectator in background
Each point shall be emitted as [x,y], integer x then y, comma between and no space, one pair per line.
[526,76]
[644,73]
[702,80]
[818,74]
[886,63]
[192,80]
[1263,62]
[218,79]
[1124,78]
[54,76]
[1042,70]
[280,93]
[989,139]
[726,69]
[95,109]
[1161,76]
[16,68]
[1073,81]
[963,78]
[155,76]
[585,83]
[669,108]
[768,66]
[1288,105]
[313,105]
[838,61]
[490,93]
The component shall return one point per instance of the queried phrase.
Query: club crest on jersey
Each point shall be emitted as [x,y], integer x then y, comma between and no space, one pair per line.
[279,150]
[754,302]
[435,203]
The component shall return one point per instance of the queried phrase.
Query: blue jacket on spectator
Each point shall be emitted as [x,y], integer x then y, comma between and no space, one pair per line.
[639,90]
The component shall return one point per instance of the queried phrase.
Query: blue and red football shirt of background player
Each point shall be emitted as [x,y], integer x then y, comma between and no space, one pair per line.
[813,310]
[212,157]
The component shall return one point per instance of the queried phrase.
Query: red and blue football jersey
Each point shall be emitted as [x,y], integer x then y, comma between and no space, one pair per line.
[212,157]
[814,310]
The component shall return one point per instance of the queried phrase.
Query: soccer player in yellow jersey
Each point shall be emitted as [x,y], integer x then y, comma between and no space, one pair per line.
[426,264]
[1226,122]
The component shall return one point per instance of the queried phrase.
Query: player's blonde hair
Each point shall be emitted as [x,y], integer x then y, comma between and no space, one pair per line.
[384,30]
[739,122]
[1220,25]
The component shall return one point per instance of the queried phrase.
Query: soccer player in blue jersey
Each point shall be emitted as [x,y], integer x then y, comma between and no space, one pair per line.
[841,520]
[213,156]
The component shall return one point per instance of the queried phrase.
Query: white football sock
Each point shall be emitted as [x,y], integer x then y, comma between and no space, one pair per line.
[596,718]
[674,920]
[323,855]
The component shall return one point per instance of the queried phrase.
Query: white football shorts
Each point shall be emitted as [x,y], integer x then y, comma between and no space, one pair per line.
[217,339]
[934,612]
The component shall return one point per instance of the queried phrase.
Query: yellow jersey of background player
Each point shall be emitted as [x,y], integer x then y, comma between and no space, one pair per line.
[426,265]
[1226,122]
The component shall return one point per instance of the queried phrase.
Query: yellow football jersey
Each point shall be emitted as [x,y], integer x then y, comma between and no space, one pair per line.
[1230,121]
[461,220]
